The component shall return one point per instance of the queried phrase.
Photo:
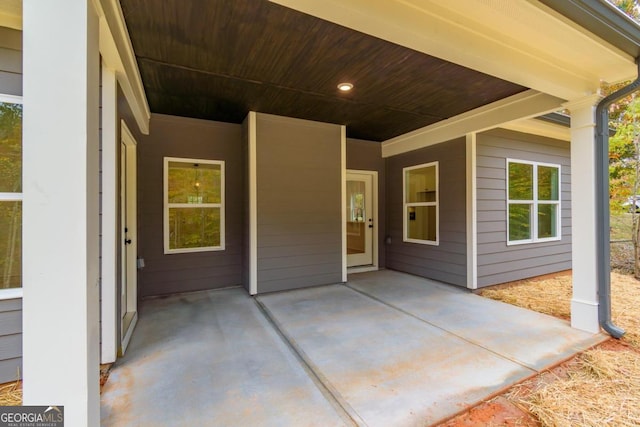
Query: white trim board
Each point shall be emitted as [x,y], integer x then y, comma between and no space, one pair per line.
[523,105]
[253,203]
[11,293]
[540,128]
[117,53]
[110,215]
[343,196]
[472,212]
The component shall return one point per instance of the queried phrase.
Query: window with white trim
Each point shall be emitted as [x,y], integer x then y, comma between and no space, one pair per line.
[193,205]
[420,197]
[533,202]
[10,192]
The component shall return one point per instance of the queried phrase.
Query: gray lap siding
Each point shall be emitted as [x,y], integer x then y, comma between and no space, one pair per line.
[446,262]
[498,262]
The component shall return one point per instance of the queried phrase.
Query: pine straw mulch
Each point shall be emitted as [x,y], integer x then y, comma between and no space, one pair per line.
[552,295]
[600,387]
[11,393]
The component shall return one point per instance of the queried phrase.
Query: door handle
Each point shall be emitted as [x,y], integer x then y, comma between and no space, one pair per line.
[127,241]
[370,225]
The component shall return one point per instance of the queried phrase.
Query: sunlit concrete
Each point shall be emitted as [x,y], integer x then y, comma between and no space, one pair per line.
[388,349]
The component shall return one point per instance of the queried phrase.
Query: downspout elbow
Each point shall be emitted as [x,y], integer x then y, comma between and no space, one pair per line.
[602,208]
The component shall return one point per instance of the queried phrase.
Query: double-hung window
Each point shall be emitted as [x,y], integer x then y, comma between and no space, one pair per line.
[533,202]
[193,205]
[10,192]
[420,196]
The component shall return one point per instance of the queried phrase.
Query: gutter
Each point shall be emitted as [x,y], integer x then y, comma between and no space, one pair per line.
[602,206]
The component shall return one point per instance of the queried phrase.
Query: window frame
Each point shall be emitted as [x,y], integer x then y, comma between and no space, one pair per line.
[167,205]
[406,205]
[535,203]
[12,293]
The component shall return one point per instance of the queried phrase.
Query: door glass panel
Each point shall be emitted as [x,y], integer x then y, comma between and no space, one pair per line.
[356,217]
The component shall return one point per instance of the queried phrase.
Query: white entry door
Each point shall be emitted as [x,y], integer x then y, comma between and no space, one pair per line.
[360,218]
[129,246]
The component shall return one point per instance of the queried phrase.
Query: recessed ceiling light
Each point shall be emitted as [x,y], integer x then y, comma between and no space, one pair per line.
[345,87]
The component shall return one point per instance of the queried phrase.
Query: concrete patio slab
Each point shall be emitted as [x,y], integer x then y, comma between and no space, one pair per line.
[387,349]
[211,359]
[388,368]
[527,337]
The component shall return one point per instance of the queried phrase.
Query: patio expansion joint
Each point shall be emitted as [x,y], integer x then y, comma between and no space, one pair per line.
[346,412]
[470,341]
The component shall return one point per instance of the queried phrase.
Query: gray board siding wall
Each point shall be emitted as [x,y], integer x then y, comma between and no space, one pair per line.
[497,262]
[367,155]
[446,262]
[171,136]
[10,310]
[299,191]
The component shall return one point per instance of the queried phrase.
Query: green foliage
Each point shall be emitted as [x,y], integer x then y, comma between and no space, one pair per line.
[623,155]
[10,182]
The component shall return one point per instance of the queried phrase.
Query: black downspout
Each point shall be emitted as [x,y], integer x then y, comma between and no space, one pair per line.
[602,206]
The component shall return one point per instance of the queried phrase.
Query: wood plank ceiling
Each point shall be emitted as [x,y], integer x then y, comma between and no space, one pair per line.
[219,59]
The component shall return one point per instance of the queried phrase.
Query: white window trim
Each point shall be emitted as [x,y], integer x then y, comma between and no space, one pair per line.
[533,217]
[168,205]
[406,205]
[10,99]
[10,293]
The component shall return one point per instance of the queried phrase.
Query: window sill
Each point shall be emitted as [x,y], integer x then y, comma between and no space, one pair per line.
[12,293]
[529,242]
[422,242]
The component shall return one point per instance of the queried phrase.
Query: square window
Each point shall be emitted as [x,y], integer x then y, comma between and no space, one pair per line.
[533,200]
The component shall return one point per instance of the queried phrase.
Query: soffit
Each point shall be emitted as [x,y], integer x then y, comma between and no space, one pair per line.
[219,59]
[522,41]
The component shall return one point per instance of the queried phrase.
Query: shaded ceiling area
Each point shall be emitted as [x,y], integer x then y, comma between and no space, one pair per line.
[220,59]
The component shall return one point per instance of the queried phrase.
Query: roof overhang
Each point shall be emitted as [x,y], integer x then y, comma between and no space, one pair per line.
[115,49]
[522,41]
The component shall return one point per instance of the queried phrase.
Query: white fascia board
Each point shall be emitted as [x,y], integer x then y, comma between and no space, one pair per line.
[520,41]
[540,128]
[117,53]
[523,105]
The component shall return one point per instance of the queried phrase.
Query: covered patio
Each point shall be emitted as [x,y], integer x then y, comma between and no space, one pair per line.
[387,348]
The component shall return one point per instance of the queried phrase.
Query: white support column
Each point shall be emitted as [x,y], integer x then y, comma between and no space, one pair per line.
[584,304]
[60,220]
[110,231]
